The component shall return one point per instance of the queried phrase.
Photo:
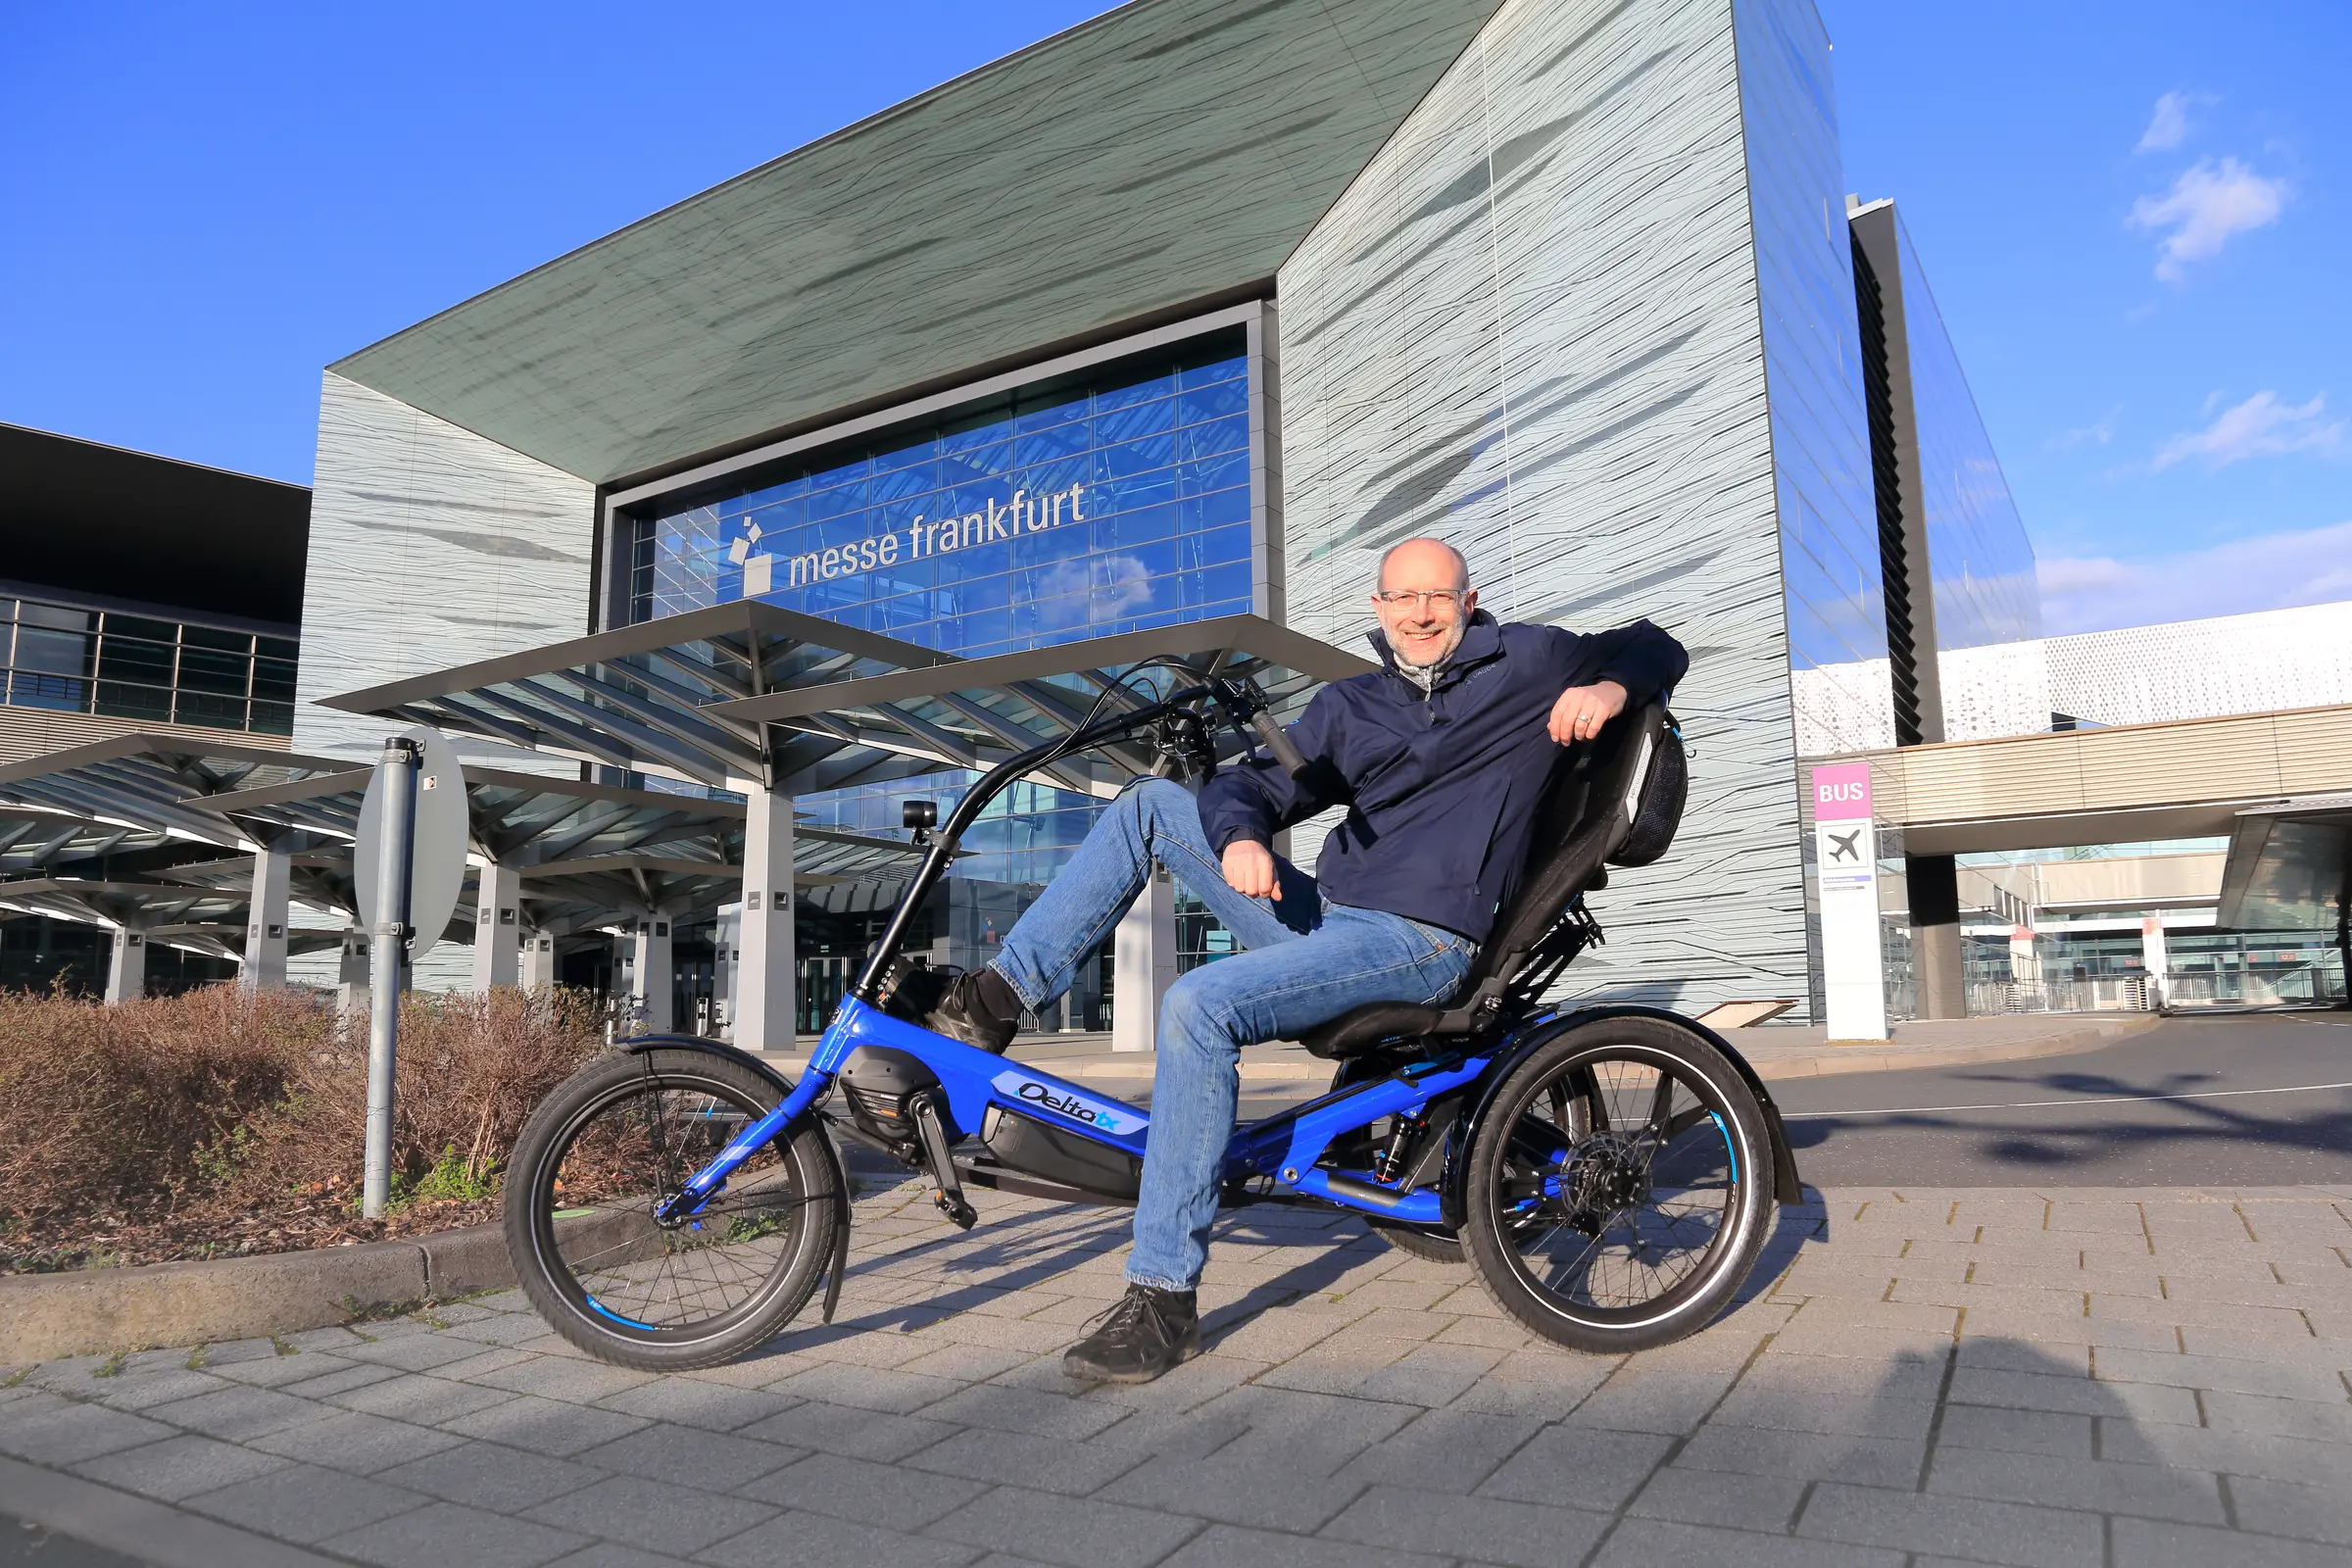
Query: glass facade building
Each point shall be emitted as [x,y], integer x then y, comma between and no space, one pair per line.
[1111,501]
[1813,369]
[69,658]
[1063,512]
[1979,560]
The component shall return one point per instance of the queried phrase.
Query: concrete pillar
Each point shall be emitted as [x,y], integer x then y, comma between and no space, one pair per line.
[497,926]
[264,966]
[1938,971]
[535,963]
[126,967]
[650,976]
[2023,964]
[727,944]
[763,1013]
[1143,964]
[2155,960]
[351,978]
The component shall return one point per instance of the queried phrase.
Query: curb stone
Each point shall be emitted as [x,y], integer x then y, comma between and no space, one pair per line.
[98,1310]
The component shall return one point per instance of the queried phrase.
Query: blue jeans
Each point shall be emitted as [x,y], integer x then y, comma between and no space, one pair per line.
[1306,962]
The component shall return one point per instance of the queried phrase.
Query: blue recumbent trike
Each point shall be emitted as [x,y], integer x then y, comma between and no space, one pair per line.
[1608,1170]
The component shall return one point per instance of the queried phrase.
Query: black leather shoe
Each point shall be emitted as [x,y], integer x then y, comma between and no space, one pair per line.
[978,1009]
[1146,1332]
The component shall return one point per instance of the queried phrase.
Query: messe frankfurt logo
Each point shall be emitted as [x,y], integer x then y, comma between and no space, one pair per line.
[1027,513]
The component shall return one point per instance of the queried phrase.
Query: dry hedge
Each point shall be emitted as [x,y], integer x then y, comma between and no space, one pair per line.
[219,1122]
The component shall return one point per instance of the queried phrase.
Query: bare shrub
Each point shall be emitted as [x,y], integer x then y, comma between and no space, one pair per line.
[221,1122]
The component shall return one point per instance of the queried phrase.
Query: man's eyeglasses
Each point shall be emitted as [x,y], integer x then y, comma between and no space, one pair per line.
[1411,599]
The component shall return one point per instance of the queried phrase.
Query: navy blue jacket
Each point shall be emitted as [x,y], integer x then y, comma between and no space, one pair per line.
[1440,790]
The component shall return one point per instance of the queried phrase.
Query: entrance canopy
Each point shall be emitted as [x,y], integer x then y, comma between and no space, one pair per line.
[587,853]
[154,785]
[644,698]
[746,693]
[33,839]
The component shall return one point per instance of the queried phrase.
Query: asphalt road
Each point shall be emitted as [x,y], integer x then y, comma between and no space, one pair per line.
[2247,1101]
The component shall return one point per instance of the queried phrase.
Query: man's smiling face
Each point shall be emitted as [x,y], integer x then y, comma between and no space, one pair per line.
[1425,599]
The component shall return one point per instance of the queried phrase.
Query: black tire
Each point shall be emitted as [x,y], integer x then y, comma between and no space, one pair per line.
[1583,1250]
[1432,1246]
[597,1157]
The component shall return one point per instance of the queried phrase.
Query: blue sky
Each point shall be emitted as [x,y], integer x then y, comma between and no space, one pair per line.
[2133,216]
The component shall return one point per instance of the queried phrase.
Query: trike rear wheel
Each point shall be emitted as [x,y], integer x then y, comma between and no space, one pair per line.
[1619,1188]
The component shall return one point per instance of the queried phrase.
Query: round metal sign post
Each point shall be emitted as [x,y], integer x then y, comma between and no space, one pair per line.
[408,864]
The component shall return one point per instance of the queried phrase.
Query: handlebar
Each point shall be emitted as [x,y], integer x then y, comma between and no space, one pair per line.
[1278,742]
[1243,703]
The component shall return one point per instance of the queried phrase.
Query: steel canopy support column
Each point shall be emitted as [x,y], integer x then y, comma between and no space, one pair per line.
[351,976]
[535,964]
[650,976]
[497,926]
[264,966]
[764,1014]
[126,967]
[1143,964]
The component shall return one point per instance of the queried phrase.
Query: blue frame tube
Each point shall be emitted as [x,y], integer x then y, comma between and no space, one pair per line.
[1283,1147]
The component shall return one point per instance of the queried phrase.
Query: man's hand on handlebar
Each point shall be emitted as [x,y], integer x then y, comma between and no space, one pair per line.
[1577,716]
[1250,870]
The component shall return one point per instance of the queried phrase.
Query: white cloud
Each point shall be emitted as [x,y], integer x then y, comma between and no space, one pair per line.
[2167,126]
[2271,571]
[2262,426]
[2101,433]
[2205,207]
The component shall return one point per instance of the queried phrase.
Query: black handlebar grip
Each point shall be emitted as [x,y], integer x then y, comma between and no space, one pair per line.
[1277,741]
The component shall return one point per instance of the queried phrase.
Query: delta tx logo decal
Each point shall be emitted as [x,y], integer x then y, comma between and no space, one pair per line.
[1063,1102]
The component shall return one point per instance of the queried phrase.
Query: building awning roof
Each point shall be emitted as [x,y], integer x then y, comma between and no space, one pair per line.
[33,838]
[154,783]
[588,853]
[645,698]
[2289,867]
[748,693]
[978,712]
[1165,155]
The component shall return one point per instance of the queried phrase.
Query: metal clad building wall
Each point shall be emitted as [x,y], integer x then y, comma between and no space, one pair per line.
[1531,326]
[1166,152]
[429,547]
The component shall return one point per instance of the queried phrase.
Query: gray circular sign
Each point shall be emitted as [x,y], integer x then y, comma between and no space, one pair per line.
[436,846]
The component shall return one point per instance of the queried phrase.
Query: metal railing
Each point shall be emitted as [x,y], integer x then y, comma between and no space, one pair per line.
[2261,986]
[2102,994]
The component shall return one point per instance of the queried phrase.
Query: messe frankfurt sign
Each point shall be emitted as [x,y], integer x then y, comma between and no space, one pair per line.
[925,537]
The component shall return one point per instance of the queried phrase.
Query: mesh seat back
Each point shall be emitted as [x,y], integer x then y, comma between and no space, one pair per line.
[1594,797]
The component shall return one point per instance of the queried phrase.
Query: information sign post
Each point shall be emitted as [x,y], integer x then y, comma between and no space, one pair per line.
[1845,871]
[395,800]
[409,864]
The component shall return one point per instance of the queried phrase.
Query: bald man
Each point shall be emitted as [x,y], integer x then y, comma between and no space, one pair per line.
[1440,758]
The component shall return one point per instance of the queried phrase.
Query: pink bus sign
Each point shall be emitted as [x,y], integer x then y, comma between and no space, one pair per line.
[1841,794]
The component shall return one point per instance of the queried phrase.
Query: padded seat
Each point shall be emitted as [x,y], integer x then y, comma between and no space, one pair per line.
[1619,799]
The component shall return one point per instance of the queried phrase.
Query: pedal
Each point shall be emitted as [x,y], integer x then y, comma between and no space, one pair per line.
[947,1194]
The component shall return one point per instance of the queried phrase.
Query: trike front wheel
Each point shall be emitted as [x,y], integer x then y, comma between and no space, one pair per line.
[607,1271]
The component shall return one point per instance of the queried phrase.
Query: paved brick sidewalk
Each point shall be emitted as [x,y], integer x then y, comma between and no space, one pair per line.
[2104,1378]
